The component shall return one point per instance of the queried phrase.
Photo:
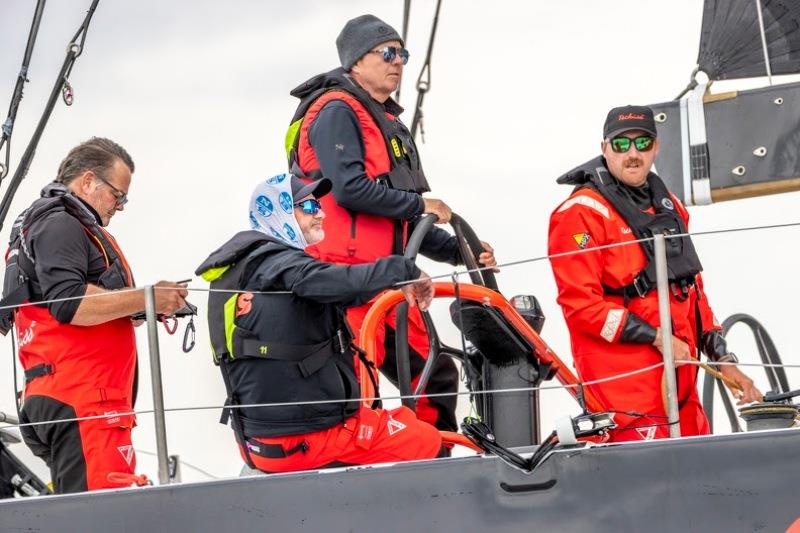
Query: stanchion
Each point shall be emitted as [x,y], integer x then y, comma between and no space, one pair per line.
[158,391]
[665,319]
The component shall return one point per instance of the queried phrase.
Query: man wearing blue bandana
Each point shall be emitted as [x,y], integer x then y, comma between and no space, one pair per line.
[277,326]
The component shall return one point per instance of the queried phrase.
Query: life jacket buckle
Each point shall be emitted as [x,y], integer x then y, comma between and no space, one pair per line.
[640,288]
[340,336]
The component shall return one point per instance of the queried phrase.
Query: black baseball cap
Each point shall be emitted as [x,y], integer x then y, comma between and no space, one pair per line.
[318,188]
[627,118]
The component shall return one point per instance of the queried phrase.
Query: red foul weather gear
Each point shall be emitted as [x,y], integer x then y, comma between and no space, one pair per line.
[611,328]
[390,158]
[72,371]
[366,230]
[372,436]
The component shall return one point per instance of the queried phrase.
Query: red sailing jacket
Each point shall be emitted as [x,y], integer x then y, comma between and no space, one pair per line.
[595,320]
[88,364]
[370,237]
[390,157]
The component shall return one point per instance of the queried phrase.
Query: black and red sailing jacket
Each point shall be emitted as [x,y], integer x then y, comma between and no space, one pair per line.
[390,158]
[78,365]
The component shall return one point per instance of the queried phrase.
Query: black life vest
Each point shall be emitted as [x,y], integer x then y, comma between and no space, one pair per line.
[258,370]
[19,284]
[406,172]
[683,264]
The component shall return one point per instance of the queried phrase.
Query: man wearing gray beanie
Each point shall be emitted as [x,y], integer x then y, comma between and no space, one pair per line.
[346,128]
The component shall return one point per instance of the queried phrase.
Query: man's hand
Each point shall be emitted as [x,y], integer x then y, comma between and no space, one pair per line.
[487,258]
[680,350]
[438,208]
[420,292]
[170,297]
[749,392]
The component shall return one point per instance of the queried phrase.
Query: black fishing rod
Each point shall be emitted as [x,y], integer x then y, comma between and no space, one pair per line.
[16,97]
[62,86]
[424,79]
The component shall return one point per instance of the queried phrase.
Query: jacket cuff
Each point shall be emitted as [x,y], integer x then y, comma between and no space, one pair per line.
[420,210]
[637,331]
[714,345]
[413,270]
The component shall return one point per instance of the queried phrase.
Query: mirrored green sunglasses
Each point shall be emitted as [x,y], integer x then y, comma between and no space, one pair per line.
[623,144]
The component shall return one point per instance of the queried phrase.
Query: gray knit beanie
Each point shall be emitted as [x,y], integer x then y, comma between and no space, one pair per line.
[360,35]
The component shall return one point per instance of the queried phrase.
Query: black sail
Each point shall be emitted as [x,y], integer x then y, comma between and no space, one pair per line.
[730,40]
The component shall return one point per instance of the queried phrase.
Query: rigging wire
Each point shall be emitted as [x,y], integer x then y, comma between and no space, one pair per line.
[16,98]
[406,17]
[763,40]
[424,79]
[74,50]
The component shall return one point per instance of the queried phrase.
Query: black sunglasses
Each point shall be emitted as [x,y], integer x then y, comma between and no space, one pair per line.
[390,52]
[120,197]
[310,206]
[622,144]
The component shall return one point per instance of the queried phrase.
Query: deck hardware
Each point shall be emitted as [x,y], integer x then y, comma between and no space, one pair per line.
[67,94]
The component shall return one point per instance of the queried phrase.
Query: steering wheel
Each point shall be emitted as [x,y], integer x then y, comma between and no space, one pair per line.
[471,248]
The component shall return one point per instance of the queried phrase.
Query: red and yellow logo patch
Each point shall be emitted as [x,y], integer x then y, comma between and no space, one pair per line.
[581,239]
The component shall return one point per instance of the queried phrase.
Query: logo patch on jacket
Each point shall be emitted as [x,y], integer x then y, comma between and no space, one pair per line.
[581,239]
[394,426]
[127,453]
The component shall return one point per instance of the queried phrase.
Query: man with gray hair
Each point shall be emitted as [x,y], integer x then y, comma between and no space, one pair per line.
[79,353]
[347,129]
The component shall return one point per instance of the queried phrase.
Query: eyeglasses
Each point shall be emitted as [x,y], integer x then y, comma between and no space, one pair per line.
[622,144]
[120,197]
[310,206]
[390,52]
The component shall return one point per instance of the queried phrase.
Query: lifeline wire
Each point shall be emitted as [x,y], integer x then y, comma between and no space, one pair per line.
[440,276]
[414,396]
[321,402]
[523,389]
[606,246]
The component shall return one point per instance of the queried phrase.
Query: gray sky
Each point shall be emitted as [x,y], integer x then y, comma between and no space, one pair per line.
[198,93]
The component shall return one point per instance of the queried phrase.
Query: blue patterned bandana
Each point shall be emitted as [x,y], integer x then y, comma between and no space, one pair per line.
[272,211]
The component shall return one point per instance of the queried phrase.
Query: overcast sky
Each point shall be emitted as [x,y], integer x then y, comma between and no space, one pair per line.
[198,93]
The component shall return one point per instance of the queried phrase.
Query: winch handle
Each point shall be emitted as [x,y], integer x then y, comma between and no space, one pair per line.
[772,396]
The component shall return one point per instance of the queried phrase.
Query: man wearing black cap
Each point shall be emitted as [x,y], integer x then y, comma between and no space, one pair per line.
[277,327]
[608,296]
[347,129]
